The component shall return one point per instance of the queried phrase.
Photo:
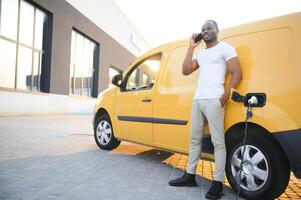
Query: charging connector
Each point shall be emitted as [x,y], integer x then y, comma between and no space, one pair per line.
[253,101]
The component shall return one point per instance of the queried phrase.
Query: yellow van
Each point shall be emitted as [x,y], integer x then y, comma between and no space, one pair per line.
[152,100]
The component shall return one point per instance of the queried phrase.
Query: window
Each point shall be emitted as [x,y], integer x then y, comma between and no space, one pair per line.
[22,44]
[144,75]
[9,18]
[112,72]
[82,65]
[7,63]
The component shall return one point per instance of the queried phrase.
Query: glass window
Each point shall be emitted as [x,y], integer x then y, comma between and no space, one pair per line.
[7,63]
[81,65]
[9,18]
[26,23]
[78,64]
[24,68]
[92,51]
[39,25]
[36,70]
[30,51]
[86,68]
[144,75]
[72,63]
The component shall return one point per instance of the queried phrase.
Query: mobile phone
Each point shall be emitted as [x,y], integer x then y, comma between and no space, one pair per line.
[198,37]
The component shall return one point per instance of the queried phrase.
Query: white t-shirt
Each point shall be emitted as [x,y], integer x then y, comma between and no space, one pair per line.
[213,68]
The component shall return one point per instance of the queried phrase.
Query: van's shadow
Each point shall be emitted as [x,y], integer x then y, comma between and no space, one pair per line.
[154,155]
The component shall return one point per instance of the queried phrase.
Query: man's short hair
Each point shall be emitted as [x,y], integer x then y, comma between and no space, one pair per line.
[214,23]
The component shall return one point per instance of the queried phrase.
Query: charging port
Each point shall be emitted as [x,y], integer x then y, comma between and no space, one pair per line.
[261,97]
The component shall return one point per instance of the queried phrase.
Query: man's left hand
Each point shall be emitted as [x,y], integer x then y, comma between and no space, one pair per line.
[223,100]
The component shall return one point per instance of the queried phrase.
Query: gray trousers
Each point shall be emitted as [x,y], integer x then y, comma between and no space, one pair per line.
[209,110]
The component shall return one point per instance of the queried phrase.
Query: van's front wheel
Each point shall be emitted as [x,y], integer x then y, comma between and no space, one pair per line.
[103,133]
[265,172]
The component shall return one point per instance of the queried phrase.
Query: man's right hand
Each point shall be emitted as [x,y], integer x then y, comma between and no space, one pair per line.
[192,43]
[189,64]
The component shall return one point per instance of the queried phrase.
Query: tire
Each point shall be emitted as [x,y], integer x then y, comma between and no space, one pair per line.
[103,133]
[265,173]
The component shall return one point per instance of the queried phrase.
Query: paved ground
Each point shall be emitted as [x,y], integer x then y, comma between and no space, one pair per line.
[55,157]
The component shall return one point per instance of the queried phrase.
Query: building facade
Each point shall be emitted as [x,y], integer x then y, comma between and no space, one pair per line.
[53,59]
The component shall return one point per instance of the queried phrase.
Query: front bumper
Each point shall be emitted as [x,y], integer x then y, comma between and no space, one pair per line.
[93,120]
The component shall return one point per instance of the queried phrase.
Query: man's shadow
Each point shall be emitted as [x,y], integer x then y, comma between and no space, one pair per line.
[156,156]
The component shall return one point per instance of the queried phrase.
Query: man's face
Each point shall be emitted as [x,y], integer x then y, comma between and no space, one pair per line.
[209,32]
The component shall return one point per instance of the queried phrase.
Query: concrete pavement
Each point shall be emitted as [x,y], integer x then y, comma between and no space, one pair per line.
[55,157]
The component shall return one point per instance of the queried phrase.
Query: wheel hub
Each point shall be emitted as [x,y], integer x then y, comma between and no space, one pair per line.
[247,167]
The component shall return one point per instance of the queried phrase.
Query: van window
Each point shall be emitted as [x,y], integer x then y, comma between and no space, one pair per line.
[144,74]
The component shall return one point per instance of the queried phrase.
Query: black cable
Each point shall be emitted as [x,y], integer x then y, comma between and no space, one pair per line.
[248,116]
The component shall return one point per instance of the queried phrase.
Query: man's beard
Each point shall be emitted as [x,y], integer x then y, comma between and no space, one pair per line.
[210,40]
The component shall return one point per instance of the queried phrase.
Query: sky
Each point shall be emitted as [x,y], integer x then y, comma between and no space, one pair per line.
[163,21]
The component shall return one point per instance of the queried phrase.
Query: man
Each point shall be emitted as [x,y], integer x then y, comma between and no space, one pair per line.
[209,103]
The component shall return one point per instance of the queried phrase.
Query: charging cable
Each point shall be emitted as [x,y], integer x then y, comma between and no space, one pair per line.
[202,173]
[251,102]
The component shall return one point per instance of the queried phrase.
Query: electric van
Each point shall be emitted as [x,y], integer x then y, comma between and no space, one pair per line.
[151,102]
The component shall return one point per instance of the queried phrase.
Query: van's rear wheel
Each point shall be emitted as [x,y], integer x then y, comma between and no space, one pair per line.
[103,133]
[265,172]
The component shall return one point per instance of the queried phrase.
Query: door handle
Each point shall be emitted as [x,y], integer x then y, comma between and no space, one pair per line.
[146,100]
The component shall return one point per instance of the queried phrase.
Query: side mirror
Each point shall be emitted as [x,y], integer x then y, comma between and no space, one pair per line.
[116,80]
